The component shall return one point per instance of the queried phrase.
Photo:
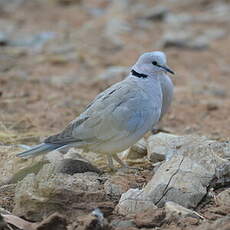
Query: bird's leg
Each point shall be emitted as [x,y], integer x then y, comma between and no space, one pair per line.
[110,158]
[124,167]
[110,162]
[156,128]
[64,150]
[117,159]
[159,129]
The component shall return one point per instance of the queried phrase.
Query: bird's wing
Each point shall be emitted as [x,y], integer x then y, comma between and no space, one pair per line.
[116,113]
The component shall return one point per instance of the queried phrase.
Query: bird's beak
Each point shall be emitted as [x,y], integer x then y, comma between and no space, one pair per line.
[166,68]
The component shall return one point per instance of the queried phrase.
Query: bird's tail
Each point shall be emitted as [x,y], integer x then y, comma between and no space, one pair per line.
[38,150]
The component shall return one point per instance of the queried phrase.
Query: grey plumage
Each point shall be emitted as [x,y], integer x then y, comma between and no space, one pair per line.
[121,115]
[167,91]
[38,150]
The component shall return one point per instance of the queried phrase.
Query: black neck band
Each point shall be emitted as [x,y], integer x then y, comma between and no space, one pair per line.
[136,74]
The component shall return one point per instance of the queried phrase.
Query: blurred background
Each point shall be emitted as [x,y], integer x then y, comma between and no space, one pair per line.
[57,55]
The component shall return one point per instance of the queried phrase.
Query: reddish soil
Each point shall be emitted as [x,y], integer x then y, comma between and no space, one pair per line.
[38,99]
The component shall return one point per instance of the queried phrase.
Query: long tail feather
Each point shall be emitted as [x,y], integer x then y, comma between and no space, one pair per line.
[38,150]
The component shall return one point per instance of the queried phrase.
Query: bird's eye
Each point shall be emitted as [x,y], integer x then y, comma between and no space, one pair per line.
[154,63]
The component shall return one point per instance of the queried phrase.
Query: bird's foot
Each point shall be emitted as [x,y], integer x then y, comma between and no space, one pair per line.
[127,169]
[156,130]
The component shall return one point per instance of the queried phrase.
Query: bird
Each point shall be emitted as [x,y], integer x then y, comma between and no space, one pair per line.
[119,116]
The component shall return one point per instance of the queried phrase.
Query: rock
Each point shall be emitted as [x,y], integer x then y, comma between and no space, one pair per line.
[189,40]
[34,41]
[19,175]
[10,6]
[163,146]
[55,157]
[178,20]
[222,176]
[58,55]
[223,198]
[216,90]
[117,23]
[4,211]
[7,196]
[219,9]
[212,106]
[222,149]
[53,222]
[174,209]
[67,2]
[91,222]
[49,191]
[114,74]
[215,212]
[116,185]
[114,28]
[3,224]
[220,224]
[183,222]
[75,154]
[60,81]
[158,13]
[3,39]
[127,228]
[13,169]
[213,34]
[122,223]
[183,40]
[138,150]
[150,218]
[132,202]
[70,166]
[185,177]
[182,179]
[106,208]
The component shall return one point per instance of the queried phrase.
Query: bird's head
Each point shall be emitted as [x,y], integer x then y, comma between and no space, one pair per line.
[152,63]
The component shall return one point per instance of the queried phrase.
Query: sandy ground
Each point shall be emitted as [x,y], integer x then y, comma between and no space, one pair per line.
[43,88]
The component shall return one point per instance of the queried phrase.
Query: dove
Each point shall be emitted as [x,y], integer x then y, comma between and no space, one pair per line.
[121,115]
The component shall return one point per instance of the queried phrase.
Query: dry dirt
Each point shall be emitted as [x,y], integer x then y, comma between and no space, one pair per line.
[41,90]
